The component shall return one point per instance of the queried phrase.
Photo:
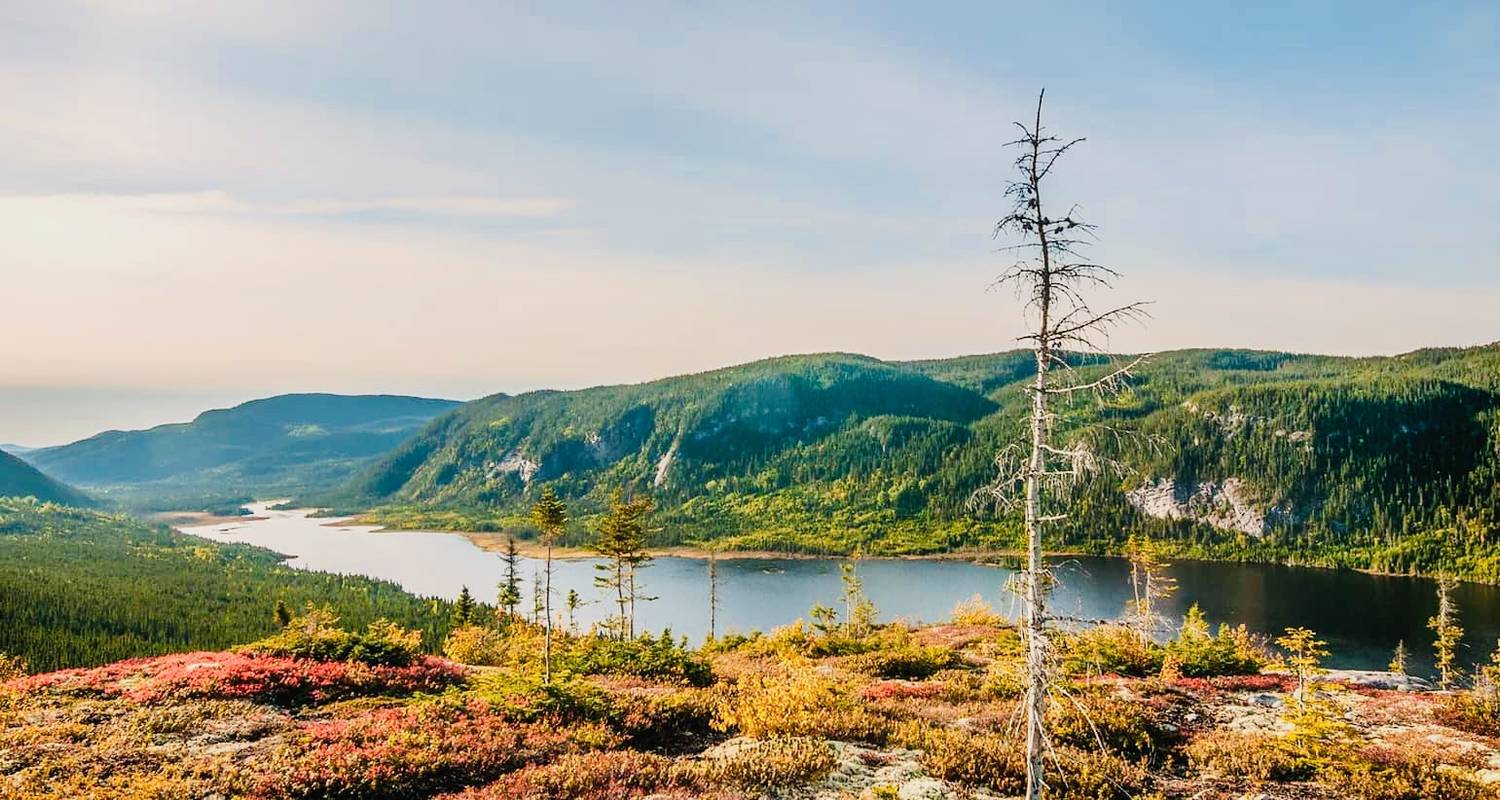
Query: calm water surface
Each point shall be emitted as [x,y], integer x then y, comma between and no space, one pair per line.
[1361,616]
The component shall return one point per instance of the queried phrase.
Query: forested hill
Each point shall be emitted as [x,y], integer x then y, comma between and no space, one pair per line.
[79,587]
[1231,452]
[19,479]
[287,443]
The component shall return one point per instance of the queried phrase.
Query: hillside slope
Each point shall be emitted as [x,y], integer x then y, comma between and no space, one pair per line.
[19,479]
[279,444]
[1230,452]
[79,588]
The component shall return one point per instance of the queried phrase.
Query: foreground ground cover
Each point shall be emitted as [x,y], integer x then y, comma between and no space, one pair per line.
[833,710]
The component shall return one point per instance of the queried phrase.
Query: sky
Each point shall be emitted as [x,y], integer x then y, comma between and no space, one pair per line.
[202,203]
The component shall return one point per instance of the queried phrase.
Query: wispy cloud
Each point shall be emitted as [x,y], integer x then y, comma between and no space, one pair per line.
[220,202]
[711,185]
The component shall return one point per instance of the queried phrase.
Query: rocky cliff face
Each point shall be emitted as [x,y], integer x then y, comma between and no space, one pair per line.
[1229,504]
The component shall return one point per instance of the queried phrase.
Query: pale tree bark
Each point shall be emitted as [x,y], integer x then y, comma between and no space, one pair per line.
[1053,278]
[713,589]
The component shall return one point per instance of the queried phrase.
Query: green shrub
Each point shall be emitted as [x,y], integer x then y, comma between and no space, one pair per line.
[1092,719]
[522,697]
[316,635]
[1111,650]
[1201,654]
[907,663]
[659,658]
[519,647]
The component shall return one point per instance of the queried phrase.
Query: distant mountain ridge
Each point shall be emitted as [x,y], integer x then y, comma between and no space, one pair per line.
[291,442]
[1234,449]
[19,479]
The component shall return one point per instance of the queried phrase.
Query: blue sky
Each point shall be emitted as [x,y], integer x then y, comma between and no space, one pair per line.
[453,199]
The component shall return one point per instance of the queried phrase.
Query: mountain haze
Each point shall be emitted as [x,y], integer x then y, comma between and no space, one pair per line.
[285,443]
[19,479]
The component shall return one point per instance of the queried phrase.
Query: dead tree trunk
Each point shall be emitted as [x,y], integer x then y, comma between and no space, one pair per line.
[1052,277]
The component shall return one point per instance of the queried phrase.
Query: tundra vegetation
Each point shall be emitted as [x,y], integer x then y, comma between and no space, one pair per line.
[851,709]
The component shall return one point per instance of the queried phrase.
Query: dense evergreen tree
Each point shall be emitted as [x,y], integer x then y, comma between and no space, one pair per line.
[510,585]
[463,610]
[79,588]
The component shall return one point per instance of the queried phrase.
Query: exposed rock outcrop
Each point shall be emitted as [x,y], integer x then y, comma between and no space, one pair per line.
[1229,504]
[513,463]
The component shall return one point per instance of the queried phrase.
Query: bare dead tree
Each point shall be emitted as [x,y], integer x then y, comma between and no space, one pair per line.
[713,588]
[1053,277]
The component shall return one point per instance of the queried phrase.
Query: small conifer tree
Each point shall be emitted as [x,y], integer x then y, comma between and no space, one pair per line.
[1399,659]
[510,584]
[1447,634]
[463,609]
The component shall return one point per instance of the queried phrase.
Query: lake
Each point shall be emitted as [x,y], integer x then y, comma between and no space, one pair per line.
[1361,616]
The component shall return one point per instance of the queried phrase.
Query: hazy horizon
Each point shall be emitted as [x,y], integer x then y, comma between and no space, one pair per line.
[62,415]
[209,203]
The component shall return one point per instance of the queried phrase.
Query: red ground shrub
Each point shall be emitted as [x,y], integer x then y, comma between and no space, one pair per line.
[236,676]
[901,690]
[407,752]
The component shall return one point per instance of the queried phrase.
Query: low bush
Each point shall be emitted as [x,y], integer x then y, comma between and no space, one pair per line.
[1111,650]
[1476,711]
[1197,652]
[777,764]
[484,646]
[803,704]
[615,775]
[659,658]
[975,611]
[902,690]
[989,761]
[316,635]
[1201,654]
[408,752]
[909,662]
[1254,757]
[1090,775]
[1090,720]
[230,676]
[1388,775]
[662,721]
[12,667]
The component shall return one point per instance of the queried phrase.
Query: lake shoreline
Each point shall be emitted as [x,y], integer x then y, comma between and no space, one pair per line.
[494,542]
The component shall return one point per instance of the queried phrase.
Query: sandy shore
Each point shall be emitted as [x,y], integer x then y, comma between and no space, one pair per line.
[197,519]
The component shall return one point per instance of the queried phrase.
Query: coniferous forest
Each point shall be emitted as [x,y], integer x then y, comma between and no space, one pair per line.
[81,587]
[1381,463]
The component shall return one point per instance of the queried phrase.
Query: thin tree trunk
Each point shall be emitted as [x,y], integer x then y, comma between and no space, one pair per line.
[632,600]
[1036,590]
[1036,598]
[547,603]
[620,591]
[713,591]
